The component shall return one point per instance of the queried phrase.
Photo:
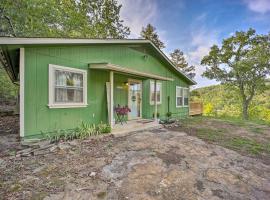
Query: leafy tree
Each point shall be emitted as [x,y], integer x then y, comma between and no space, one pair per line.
[149,33]
[243,61]
[7,89]
[68,18]
[178,58]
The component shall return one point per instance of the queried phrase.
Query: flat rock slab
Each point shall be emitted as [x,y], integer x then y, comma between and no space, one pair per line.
[154,164]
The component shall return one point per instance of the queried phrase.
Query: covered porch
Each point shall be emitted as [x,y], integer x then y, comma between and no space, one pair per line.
[126,87]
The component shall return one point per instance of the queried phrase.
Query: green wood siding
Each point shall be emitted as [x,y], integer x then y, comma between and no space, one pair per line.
[39,118]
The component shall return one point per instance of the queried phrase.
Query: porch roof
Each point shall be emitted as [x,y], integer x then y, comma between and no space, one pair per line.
[125,70]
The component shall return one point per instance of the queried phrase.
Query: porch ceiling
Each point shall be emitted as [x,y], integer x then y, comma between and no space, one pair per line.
[125,70]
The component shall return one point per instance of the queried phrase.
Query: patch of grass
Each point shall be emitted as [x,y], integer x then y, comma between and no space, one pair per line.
[213,135]
[246,144]
[240,122]
[256,130]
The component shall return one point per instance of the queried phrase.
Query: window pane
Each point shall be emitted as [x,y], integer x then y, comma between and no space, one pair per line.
[152,96]
[152,86]
[68,95]
[186,101]
[179,101]
[179,92]
[158,87]
[65,78]
[185,91]
[158,96]
[60,95]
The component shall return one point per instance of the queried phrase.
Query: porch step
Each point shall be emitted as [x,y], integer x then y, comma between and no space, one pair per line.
[134,125]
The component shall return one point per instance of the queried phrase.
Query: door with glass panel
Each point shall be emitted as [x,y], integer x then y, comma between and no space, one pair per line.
[135,99]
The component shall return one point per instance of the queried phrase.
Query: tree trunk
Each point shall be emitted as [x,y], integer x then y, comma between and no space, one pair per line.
[245,105]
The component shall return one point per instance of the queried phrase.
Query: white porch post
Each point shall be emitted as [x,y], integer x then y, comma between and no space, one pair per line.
[155,92]
[111,99]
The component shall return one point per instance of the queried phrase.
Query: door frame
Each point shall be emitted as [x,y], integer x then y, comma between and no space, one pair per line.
[129,103]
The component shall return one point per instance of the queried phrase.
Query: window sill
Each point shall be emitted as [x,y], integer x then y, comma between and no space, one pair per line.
[182,106]
[67,105]
[152,104]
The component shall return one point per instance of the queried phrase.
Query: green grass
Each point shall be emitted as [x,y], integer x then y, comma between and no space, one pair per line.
[245,144]
[257,130]
[210,134]
[214,130]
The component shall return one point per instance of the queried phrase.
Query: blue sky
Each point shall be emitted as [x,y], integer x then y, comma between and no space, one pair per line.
[195,25]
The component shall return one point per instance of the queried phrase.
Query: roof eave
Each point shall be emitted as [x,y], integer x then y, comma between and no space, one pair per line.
[32,41]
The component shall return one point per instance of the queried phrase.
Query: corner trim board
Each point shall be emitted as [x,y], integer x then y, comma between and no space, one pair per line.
[22,66]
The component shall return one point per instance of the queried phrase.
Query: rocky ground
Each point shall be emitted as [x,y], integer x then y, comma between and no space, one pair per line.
[153,164]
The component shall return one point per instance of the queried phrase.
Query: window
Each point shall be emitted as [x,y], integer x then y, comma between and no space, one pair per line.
[152,92]
[182,98]
[67,87]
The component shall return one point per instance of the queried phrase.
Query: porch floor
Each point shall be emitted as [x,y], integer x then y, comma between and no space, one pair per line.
[134,125]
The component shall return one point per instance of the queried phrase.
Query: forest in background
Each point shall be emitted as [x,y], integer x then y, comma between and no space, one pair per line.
[224,101]
[8,90]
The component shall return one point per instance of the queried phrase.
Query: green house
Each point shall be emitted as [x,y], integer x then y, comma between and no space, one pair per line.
[66,81]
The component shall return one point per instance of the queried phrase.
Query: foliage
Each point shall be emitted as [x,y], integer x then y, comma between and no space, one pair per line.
[208,109]
[178,59]
[224,101]
[8,90]
[169,114]
[243,62]
[69,18]
[83,131]
[149,33]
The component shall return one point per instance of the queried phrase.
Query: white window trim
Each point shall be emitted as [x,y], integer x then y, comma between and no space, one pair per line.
[153,102]
[52,104]
[180,106]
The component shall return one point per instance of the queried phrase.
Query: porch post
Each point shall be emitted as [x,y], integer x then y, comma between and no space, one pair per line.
[111,99]
[155,92]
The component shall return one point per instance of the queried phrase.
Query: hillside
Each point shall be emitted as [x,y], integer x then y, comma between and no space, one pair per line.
[222,100]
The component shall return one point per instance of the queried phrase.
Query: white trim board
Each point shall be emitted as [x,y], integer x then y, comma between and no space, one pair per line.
[22,66]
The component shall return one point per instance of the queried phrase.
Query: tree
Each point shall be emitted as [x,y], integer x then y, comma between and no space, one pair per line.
[69,18]
[178,59]
[149,33]
[243,61]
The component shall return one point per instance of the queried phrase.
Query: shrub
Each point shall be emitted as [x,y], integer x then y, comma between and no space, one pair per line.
[208,109]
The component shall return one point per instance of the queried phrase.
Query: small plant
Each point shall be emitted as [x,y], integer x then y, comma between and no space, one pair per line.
[104,128]
[169,114]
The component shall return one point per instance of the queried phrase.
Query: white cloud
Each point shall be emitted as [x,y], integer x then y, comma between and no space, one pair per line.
[259,6]
[201,41]
[137,14]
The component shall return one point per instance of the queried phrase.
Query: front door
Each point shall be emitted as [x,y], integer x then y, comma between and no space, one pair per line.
[135,98]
